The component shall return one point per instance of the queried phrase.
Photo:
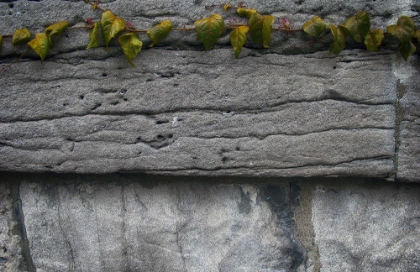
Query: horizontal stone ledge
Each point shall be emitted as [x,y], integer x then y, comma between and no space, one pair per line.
[194,113]
[327,153]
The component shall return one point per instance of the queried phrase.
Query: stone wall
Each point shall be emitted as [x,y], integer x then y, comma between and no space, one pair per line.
[286,159]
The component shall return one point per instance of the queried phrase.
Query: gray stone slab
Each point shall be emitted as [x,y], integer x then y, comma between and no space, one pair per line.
[299,121]
[367,228]
[124,225]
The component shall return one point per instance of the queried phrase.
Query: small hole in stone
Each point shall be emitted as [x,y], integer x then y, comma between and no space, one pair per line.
[224,159]
[160,137]
[125,99]
[65,104]
[104,75]
[11,5]
[170,136]
[335,67]
[237,148]
[97,105]
[138,139]
[81,97]
[114,103]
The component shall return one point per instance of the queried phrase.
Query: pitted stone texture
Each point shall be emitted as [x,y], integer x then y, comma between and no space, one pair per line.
[367,227]
[123,225]
[187,112]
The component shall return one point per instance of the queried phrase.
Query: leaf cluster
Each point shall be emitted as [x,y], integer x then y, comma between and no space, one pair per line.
[259,28]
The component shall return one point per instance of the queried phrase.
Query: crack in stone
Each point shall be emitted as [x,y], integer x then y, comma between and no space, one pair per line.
[26,250]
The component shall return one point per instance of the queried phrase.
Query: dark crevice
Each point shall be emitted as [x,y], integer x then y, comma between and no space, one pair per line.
[20,219]
[332,96]
[279,199]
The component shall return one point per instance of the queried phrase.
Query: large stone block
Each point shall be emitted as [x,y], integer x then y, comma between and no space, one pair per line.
[116,224]
[291,110]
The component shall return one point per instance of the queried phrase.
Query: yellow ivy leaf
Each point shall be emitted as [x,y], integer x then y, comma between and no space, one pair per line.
[339,39]
[21,36]
[314,27]
[374,39]
[245,12]
[159,32]
[226,7]
[209,30]
[111,26]
[56,29]
[260,28]
[93,36]
[238,39]
[131,45]
[40,44]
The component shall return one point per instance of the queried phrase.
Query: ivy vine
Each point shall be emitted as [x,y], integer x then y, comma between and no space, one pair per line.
[259,28]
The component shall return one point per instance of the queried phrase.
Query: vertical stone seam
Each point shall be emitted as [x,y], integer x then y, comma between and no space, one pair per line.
[70,249]
[304,228]
[127,262]
[20,219]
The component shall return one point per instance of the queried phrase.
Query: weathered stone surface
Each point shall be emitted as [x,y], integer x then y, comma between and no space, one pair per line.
[117,225]
[10,241]
[150,223]
[408,121]
[183,111]
[280,123]
[368,227]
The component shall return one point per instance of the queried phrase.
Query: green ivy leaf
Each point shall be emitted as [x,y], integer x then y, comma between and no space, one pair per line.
[315,26]
[111,26]
[131,45]
[407,49]
[374,39]
[404,30]
[159,32]
[357,26]
[21,36]
[209,30]
[339,39]
[56,29]
[238,39]
[417,36]
[245,12]
[93,36]
[260,28]
[40,44]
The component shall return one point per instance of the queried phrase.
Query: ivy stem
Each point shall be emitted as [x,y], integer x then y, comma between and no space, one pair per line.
[81,27]
[15,61]
[94,5]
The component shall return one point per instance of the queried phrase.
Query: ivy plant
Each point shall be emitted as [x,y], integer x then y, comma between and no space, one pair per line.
[258,27]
